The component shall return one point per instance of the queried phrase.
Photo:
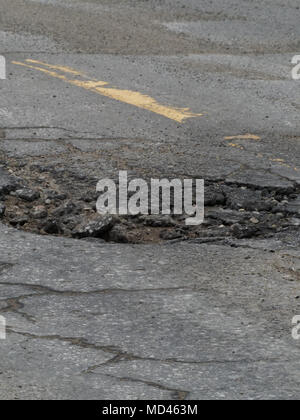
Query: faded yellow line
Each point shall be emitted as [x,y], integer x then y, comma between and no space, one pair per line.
[238,146]
[278,161]
[126,96]
[61,68]
[243,137]
[282,162]
[50,73]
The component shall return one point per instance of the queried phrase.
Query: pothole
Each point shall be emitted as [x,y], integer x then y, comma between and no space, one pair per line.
[55,197]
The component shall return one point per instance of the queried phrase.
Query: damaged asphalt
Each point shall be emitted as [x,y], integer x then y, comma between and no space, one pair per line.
[146,307]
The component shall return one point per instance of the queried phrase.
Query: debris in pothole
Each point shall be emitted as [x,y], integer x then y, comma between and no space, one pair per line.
[294,206]
[52,227]
[157,220]
[242,232]
[2,209]
[27,194]
[119,234]
[95,228]
[168,235]
[8,182]
[53,200]
[250,200]
[39,212]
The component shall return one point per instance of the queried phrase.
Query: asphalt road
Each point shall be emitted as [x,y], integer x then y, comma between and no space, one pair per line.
[199,89]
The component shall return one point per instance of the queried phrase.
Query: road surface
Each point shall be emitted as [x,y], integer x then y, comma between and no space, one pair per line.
[149,309]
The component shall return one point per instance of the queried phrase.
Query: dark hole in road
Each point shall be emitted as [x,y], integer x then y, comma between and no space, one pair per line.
[44,197]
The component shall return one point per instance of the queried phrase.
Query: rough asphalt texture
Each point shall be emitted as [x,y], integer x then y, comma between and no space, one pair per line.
[205,313]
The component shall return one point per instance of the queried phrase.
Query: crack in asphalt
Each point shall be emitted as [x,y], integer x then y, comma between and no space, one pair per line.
[121,356]
[49,290]
[45,127]
[179,394]
[14,305]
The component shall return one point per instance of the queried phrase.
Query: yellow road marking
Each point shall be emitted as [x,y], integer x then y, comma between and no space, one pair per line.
[282,162]
[236,145]
[127,96]
[279,161]
[61,68]
[243,137]
[50,73]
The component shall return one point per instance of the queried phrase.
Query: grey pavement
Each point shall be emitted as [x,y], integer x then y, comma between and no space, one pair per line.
[178,321]
[207,315]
